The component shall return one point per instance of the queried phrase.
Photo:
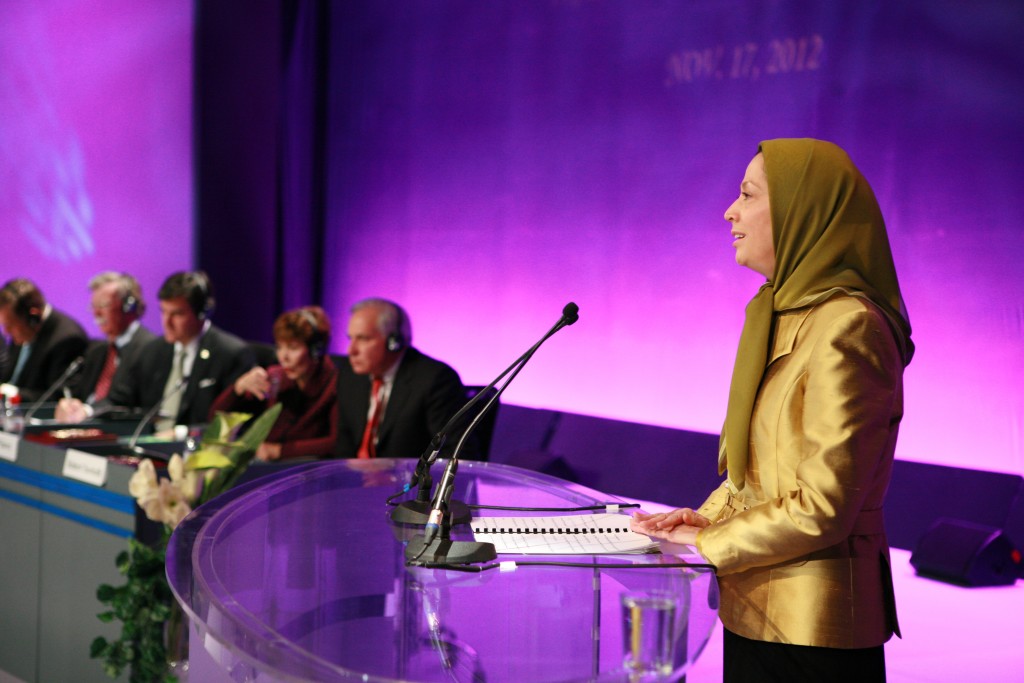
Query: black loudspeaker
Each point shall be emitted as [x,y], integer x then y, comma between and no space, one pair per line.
[966,554]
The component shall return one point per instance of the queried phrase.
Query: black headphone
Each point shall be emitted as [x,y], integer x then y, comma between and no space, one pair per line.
[33,318]
[396,341]
[129,305]
[200,297]
[23,308]
[317,342]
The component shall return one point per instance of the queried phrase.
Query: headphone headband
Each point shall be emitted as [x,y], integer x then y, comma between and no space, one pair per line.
[202,300]
[317,341]
[396,341]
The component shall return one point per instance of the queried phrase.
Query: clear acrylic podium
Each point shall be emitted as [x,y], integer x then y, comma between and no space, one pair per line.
[301,576]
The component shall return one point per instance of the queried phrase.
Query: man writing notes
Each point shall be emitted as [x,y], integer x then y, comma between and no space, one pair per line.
[117,306]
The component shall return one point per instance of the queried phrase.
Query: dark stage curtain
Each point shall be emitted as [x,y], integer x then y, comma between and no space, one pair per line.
[259,130]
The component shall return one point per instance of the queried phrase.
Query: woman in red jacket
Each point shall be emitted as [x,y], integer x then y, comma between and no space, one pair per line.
[304,383]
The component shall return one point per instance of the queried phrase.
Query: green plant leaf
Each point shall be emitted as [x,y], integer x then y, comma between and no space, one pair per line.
[241,454]
[208,458]
[144,603]
[234,420]
[99,645]
[260,428]
[121,561]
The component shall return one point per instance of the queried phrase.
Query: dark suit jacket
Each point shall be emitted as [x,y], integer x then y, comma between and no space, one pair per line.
[59,341]
[222,357]
[84,383]
[426,393]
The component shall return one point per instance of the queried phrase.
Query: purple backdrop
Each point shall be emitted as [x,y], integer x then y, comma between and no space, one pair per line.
[95,142]
[489,162]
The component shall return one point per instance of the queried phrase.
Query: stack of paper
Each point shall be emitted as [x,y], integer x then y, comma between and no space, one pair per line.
[600,534]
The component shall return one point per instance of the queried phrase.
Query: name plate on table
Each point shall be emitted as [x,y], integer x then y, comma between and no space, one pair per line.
[8,446]
[82,466]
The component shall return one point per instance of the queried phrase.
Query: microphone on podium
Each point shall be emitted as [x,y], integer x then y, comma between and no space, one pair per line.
[417,511]
[435,546]
[179,387]
[65,376]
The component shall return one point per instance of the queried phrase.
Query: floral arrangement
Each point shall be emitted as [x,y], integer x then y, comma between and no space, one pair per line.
[153,629]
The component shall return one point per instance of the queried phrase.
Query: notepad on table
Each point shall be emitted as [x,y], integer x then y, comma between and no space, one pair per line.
[600,534]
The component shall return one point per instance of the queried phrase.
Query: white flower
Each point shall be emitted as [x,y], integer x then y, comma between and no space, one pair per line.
[171,505]
[175,505]
[176,467]
[185,479]
[142,484]
[164,500]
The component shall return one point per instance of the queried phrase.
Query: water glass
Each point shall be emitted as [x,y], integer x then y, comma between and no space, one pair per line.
[649,632]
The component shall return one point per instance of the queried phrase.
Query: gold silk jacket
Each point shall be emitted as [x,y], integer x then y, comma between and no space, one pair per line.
[801,550]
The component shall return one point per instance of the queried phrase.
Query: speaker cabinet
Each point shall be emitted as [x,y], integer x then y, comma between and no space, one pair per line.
[966,554]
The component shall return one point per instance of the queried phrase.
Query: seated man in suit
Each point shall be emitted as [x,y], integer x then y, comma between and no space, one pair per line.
[117,306]
[44,341]
[392,399]
[190,365]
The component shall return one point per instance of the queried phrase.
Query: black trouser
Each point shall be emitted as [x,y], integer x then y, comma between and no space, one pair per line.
[755,661]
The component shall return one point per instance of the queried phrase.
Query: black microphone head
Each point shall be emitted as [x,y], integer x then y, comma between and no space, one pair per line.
[571,313]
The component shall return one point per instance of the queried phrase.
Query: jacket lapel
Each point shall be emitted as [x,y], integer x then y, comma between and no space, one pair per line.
[200,371]
[787,325]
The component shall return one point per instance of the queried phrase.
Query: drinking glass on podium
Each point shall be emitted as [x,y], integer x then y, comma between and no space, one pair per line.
[649,634]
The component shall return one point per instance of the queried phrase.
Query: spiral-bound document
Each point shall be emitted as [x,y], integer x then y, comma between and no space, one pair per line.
[600,534]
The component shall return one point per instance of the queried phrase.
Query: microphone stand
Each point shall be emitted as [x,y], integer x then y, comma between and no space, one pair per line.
[71,369]
[150,415]
[417,511]
[436,546]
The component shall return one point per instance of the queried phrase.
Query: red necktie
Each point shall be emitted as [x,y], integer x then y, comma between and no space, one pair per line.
[107,373]
[368,447]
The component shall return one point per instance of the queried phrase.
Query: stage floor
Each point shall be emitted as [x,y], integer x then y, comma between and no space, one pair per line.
[950,633]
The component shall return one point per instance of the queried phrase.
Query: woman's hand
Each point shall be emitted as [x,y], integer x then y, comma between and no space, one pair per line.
[268,452]
[255,382]
[677,526]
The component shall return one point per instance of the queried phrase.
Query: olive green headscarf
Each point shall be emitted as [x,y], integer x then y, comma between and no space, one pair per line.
[829,238]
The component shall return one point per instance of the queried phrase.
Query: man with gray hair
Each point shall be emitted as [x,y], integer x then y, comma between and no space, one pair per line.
[392,398]
[117,306]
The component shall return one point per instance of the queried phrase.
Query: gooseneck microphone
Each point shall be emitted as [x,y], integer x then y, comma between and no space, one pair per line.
[418,510]
[180,386]
[65,376]
[435,546]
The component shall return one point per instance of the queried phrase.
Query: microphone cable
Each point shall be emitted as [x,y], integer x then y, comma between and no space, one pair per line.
[586,508]
[510,565]
[507,508]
